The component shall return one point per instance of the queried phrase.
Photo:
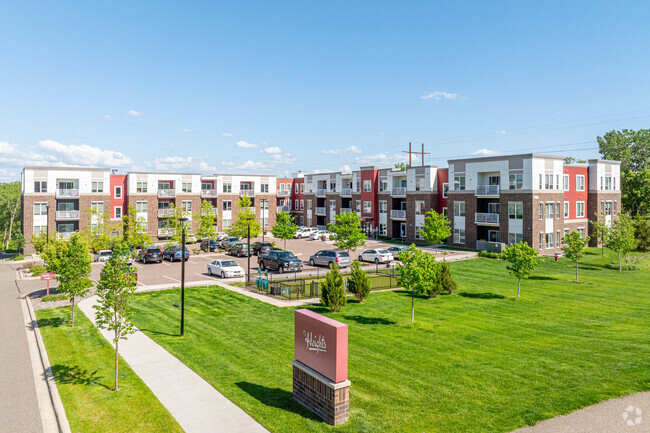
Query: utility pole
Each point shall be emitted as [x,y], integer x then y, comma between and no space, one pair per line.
[410,152]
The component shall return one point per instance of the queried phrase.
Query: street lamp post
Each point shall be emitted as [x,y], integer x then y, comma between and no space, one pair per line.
[248,274]
[183,220]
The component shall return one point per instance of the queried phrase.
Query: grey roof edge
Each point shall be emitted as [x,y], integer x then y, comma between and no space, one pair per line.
[505,156]
[609,161]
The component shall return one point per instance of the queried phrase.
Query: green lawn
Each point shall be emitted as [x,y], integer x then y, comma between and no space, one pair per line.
[476,361]
[83,366]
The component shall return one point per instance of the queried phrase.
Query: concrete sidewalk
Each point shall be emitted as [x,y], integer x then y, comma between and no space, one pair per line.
[192,401]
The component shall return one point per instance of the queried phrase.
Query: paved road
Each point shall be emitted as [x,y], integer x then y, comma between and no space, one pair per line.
[18,404]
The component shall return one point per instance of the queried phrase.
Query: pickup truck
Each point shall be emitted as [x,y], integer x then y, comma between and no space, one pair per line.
[281,261]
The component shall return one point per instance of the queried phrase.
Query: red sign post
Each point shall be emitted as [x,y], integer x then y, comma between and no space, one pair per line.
[48,276]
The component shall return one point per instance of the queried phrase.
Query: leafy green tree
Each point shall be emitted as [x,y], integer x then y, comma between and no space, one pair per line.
[73,270]
[176,225]
[115,287]
[446,281]
[333,290]
[600,230]
[347,228]
[523,260]
[568,160]
[10,210]
[642,232]
[436,227]
[401,166]
[245,219]
[418,273]
[635,192]
[574,247]
[284,227]
[358,282]
[621,237]
[135,229]
[207,221]
[98,235]
[51,252]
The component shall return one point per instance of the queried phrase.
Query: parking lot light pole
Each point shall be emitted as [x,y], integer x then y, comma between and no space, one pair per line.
[248,274]
[182,220]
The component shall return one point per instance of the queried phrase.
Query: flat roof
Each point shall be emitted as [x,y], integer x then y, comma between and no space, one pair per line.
[502,157]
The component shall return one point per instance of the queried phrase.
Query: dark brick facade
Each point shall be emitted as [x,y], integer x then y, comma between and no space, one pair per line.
[326,399]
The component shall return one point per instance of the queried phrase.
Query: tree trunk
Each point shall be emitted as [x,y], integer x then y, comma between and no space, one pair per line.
[11,222]
[117,342]
[576,270]
[619,262]
[602,248]
[412,306]
[518,287]
[73,311]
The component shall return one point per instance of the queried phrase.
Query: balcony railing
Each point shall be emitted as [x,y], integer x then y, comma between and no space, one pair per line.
[321,211]
[321,192]
[213,211]
[283,208]
[397,214]
[165,232]
[246,192]
[166,193]
[208,193]
[283,193]
[487,190]
[65,192]
[345,210]
[481,245]
[67,214]
[164,213]
[399,190]
[346,192]
[488,218]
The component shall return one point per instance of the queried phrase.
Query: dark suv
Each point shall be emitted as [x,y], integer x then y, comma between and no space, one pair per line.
[209,245]
[148,255]
[281,261]
[174,253]
[261,248]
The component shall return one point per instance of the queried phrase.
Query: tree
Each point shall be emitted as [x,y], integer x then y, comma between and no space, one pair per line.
[401,166]
[418,273]
[642,232]
[10,211]
[436,227]
[176,225]
[51,252]
[98,234]
[358,282]
[574,247]
[635,192]
[117,283]
[333,291]
[284,227]
[621,237]
[207,221]
[523,260]
[135,229]
[347,228]
[568,160]
[446,281]
[73,270]
[600,230]
[245,219]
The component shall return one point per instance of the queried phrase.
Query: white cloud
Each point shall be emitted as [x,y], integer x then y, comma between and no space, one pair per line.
[385,159]
[381,134]
[487,152]
[107,117]
[7,148]
[84,154]
[247,145]
[322,170]
[272,149]
[502,132]
[345,168]
[187,131]
[182,163]
[133,113]
[347,150]
[439,95]
[227,134]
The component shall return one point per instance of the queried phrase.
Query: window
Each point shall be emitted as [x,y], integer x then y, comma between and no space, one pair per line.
[516,181]
[367,186]
[541,211]
[118,192]
[549,240]
[419,187]
[308,204]
[516,210]
[141,187]
[117,212]
[186,206]
[493,208]
[227,187]
[549,210]
[565,182]
[581,232]
[358,208]
[549,181]
[65,228]
[97,187]
[459,210]
[140,206]
[227,205]
[608,183]
[580,182]
[383,206]
[296,189]
[65,206]
[614,207]
[608,208]
[514,238]
[459,184]
[557,240]
[40,186]
[288,203]
[445,189]
[418,231]
[186,187]
[302,204]
[419,208]
[557,210]
[226,223]
[332,204]
[367,207]
[557,181]
[382,230]
[264,187]
[580,209]
[459,236]
[264,204]
[98,206]
[40,230]
[302,188]
[265,221]
[40,208]
[541,241]
[566,209]
[444,211]
[164,185]
[295,204]
[383,185]
[540,180]
[206,187]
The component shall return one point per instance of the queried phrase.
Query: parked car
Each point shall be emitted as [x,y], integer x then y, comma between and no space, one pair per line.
[227,242]
[174,253]
[281,261]
[129,259]
[221,236]
[225,268]
[377,256]
[329,257]
[148,255]
[209,245]
[261,247]
[102,255]
[319,234]
[394,250]
[304,232]
[190,239]
[239,250]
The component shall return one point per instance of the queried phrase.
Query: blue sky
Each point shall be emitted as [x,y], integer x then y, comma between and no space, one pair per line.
[276,87]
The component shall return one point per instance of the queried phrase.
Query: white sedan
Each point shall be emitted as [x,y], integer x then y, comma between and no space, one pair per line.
[377,256]
[225,268]
[320,234]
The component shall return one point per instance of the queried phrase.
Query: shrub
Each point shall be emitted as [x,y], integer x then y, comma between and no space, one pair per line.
[358,282]
[332,290]
[29,265]
[18,257]
[642,232]
[53,297]
[445,280]
[489,255]
[624,266]
[37,270]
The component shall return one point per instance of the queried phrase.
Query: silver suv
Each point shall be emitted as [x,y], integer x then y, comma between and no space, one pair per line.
[329,257]
[304,233]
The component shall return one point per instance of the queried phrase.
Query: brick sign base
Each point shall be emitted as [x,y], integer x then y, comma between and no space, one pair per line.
[329,400]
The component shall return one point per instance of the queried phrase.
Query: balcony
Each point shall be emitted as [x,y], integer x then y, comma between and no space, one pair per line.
[398,191]
[283,193]
[67,193]
[165,232]
[345,210]
[481,245]
[212,211]
[283,209]
[487,190]
[486,218]
[166,193]
[165,213]
[67,215]
[320,211]
[246,192]
[208,193]
[321,192]
[397,214]
[346,192]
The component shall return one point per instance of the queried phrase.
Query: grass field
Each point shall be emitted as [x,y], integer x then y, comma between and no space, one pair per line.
[475,361]
[83,367]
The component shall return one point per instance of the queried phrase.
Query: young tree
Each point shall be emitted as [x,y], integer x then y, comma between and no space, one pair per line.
[176,225]
[642,232]
[401,166]
[98,234]
[621,237]
[207,221]
[73,271]
[347,228]
[523,260]
[358,282]
[574,247]
[245,219]
[333,291]
[135,229]
[436,227]
[284,227]
[418,273]
[600,230]
[117,283]
[10,211]
[446,281]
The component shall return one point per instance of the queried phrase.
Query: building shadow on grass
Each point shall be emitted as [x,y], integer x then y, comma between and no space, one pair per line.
[481,295]
[276,397]
[75,375]
[370,320]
